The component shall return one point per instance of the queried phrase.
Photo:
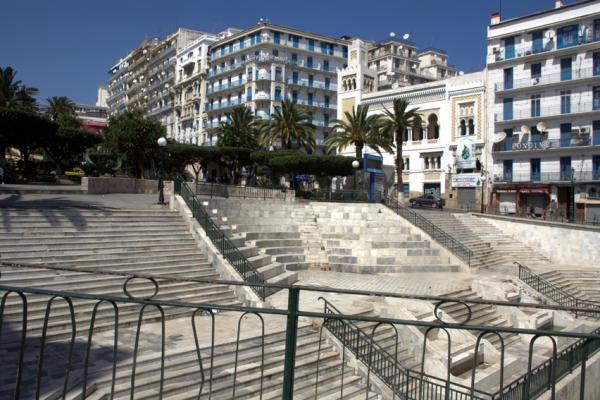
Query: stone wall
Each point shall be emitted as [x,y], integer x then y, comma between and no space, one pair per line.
[105,185]
[561,243]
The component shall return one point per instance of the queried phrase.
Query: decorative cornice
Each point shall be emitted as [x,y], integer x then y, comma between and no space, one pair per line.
[439,91]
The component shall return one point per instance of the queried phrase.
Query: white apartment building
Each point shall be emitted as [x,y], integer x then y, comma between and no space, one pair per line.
[261,66]
[442,157]
[190,88]
[398,63]
[544,109]
[145,78]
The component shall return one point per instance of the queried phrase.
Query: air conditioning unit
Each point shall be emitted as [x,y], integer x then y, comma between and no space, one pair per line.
[575,131]
[583,129]
[495,50]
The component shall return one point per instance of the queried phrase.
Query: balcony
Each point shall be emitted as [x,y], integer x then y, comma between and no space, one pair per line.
[547,144]
[528,51]
[315,85]
[273,59]
[547,112]
[225,86]
[548,79]
[547,177]
[317,104]
[224,104]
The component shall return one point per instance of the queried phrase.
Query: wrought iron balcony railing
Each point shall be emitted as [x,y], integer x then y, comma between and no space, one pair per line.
[556,176]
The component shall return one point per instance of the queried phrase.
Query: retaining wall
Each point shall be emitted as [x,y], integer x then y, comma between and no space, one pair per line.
[103,185]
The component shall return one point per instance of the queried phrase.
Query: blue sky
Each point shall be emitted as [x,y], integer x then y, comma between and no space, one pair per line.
[65,47]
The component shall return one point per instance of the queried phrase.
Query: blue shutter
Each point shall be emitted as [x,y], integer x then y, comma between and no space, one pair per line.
[565,69]
[509,48]
[537,39]
[508,109]
[565,134]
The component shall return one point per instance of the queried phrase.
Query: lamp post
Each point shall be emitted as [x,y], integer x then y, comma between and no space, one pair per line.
[483,179]
[572,195]
[162,142]
[355,165]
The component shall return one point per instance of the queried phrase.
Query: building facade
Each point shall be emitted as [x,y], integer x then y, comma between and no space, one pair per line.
[398,63]
[190,89]
[444,155]
[261,66]
[544,109]
[145,78]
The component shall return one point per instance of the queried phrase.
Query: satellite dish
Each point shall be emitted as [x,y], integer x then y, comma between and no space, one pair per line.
[498,137]
[392,34]
[461,73]
[541,127]
[525,129]
[406,36]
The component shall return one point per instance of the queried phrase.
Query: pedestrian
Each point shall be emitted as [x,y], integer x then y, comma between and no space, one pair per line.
[1,174]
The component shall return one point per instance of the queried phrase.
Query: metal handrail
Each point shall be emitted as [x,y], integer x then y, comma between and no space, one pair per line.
[438,234]
[227,248]
[403,380]
[556,293]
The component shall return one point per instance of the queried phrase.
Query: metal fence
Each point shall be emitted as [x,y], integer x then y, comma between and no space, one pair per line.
[229,250]
[72,344]
[211,190]
[344,196]
[438,234]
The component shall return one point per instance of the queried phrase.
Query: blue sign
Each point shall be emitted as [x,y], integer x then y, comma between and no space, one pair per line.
[373,163]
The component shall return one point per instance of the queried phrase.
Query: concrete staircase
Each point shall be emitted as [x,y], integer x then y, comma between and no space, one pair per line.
[93,241]
[183,378]
[491,247]
[581,283]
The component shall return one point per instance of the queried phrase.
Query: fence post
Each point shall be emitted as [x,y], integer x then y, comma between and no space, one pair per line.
[291,336]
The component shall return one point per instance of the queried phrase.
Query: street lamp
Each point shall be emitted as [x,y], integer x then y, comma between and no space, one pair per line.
[162,142]
[483,179]
[573,194]
[355,165]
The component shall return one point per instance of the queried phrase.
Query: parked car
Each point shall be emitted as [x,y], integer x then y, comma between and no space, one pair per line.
[427,200]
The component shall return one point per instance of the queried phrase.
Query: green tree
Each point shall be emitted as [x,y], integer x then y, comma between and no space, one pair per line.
[395,123]
[289,125]
[60,107]
[69,145]
[134,138]
[240,129]
[13,93]
[358,130]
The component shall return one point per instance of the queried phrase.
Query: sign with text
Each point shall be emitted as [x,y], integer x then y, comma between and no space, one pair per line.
[373,163]
[465,153]
[466,180]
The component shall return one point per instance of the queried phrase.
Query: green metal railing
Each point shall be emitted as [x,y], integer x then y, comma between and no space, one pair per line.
[211,190]
[228,249]
[438,234]
[557,294]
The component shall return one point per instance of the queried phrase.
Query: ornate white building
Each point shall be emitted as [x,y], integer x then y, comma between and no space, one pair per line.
[444,155]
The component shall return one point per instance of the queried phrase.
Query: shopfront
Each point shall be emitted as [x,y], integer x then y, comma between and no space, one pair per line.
[522,201]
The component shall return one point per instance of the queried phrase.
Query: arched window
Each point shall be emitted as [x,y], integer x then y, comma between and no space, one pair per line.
[432,127]
[278,93]
[463,128]
[406,136]
[471,127]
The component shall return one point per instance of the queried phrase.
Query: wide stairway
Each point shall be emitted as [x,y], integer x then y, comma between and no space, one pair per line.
[491,247]
[99,248]
[581,283]
[253,378]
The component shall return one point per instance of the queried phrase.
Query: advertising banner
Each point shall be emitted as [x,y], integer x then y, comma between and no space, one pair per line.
[465,153]
[466,180]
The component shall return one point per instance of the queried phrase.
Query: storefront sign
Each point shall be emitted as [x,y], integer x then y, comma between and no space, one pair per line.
[465,153]
[466,180]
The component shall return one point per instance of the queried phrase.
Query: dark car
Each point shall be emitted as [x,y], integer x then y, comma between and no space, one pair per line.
[427,200]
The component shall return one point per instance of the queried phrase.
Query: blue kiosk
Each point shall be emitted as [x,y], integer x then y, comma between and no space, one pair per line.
[373,164]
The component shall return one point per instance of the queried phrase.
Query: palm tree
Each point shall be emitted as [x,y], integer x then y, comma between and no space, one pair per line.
[13,93]
[288,125]
[358,130]
[60,107]
[395,124]
[240,129]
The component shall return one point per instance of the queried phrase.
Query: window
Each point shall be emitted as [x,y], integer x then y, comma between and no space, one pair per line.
[294,59]
[241,43]
[249,73]
[596,132]
[537,41]
[463,127]
[327,83]
[597,30]
[311,79]
[243,58]
[535,105]
[596,167]
[508,78]
[508,109]
[326,120]
[345,49]
[278,93]
[310,99]
[471,128]
[509,48]
[295,41]
[535,137]
[311,45]
[597,64]
[507,170]
[406,135]
[326,100]
[249,94]
[294,96]
[567,36]
[565,168]
[565,69]
[323,47]
[508,142]
[406,189]
[596,104]
[295,77]
[278,74]
[535,169]
[252,39]
[432,127]
[222,50]
[231,47]
[536,72]
[275,52]
[565,101]
[309,62]
[565,134]
[325,65]
[276,37]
